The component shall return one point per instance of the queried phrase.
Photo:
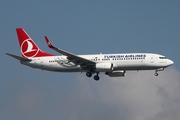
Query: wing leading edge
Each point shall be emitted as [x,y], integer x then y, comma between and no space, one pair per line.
[84,63]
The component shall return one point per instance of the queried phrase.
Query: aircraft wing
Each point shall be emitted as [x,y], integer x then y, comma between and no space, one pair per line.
[73,58]
[18,57]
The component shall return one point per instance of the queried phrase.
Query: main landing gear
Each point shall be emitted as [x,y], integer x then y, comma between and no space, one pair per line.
[88,74]
[96,77]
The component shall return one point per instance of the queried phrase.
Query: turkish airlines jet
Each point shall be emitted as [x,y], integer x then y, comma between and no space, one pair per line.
[113,65]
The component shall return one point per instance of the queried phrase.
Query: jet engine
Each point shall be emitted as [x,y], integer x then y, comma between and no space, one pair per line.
[116,74]
[104,67]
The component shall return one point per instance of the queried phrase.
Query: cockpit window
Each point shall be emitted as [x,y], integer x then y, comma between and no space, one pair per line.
[162,57]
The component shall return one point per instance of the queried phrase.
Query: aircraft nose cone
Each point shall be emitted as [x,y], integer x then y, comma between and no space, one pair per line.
[171,62]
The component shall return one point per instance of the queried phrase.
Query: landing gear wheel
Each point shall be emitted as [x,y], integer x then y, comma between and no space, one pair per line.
[156,74]
[96,77]
[89,74]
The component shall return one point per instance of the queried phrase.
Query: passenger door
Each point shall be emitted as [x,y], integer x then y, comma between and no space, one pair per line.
[151,59]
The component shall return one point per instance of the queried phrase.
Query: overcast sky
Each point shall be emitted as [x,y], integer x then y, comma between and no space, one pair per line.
[87,27]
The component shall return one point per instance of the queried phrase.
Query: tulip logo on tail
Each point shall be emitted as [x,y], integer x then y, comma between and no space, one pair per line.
[29,48]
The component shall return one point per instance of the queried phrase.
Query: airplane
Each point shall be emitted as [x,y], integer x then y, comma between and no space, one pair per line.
[113,65]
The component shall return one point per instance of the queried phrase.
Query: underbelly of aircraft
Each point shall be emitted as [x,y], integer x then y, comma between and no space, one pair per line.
[78,68]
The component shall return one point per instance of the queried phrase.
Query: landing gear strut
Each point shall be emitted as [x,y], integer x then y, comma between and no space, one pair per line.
[156,74]
[96,77]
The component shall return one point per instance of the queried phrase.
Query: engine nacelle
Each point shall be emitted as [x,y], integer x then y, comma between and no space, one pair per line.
[116,74]
[104,67]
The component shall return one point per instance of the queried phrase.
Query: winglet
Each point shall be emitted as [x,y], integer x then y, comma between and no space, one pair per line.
[49,42]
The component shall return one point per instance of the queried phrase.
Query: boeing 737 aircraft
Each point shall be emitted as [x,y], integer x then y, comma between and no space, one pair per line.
[113,65]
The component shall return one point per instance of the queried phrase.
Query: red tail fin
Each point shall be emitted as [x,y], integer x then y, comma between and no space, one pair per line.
[28,46]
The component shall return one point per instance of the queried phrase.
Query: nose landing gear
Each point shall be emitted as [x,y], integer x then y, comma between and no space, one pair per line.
[156,72]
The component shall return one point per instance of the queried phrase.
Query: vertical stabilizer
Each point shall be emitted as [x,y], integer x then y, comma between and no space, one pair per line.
[28,46]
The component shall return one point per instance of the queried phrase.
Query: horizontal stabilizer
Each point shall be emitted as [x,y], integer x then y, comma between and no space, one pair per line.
[18,57]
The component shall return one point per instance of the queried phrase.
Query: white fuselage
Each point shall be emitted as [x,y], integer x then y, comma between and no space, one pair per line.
[113,65]
[129,61]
